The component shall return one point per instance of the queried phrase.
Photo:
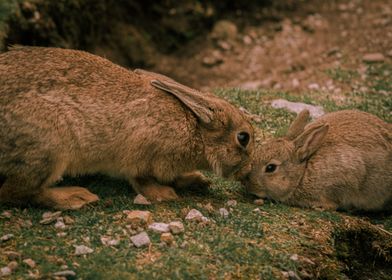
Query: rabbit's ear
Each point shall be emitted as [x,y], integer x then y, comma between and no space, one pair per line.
[298,125]
[191,98]
[310,141]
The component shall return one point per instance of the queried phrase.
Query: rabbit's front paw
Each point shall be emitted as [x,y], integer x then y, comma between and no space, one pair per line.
[193,180]
[66,198]
[159,193]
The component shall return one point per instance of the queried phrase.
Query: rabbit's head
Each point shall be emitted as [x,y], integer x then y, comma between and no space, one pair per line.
[279,164]
[226,133]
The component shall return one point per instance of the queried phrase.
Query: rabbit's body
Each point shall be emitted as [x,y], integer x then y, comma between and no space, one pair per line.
[70,112]
[341,160]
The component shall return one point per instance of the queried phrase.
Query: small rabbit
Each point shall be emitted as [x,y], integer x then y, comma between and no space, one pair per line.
[343,160]
[67,112]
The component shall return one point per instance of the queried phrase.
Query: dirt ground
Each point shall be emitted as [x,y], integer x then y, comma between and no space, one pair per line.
[294,54]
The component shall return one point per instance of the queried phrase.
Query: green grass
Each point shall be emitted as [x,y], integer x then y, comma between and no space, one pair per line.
[246,245]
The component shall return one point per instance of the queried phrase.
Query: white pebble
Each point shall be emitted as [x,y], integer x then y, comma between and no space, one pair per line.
[141,239]
[224,213]
[82,250]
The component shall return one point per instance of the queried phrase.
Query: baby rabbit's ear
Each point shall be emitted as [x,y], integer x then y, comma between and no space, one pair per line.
[310,141]
[298,125]
[191,98]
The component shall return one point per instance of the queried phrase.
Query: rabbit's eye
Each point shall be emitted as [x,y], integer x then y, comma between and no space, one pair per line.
[243,138]
[270,168]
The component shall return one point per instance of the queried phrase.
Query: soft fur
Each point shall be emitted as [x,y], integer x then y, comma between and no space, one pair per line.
[67,112]
[342,160]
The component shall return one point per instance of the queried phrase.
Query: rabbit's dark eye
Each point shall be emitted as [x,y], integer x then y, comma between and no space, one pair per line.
[270,168]
[243,138]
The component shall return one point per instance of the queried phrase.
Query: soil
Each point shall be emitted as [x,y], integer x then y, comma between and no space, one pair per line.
[292,54]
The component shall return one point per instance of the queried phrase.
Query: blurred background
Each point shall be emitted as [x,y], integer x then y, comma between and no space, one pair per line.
[291,45]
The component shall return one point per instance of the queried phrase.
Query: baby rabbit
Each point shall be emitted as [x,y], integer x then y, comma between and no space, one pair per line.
[67,112]
[341,160]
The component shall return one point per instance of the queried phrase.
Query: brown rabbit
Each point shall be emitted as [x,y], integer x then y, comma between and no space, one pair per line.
[342,160]
[67,112]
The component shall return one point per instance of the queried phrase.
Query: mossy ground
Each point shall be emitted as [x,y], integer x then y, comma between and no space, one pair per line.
[246,245]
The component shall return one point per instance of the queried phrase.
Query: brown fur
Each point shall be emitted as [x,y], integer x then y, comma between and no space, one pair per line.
[70,112]
[341,160]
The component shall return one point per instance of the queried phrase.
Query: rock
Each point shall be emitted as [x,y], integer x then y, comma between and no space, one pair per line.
[251,85]
[6,214]
[12,255]
[141,200]
[176,227]
[297,107]
[293,276]
[313,86]
[213,59]
[59,224]
[65,273]
[247,40]
[6,237]
[140,239]
[256,210]
[259,202]
[295,83]
[294,257]
[49,217]
[29,262]
[61,234]
[159,227]
[224,30]
[195,215]
[82,250]
[13,265]
[5,271]
[138,218]
[223,45]
[167,238]
[373,57]
[107,241]
[224,213]
[231,203]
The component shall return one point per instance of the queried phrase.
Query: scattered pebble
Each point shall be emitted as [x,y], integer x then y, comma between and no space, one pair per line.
[13,265]
[61,234]
[251,85]
[259,202]
[140,239]
[297,107]
[373,57]
[295,83]
[65,273]
[184,244]
[212,60]
[60,224]
[6,214]
[82,250]
[138,218]
[5,271]
[49,217]
[224,45]
[291,275]
[196,215]
[256,210]
[141,200]
[12,255]
[314,86]
[167,238]
[294,257]
[6,237]
[176,227]
[30,263]
[159,227]
[224,213]
[231,203]
[108,241]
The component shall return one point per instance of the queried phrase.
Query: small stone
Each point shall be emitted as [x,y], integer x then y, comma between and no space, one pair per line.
[140,239]
[224,213]
[259,202]
[68,220]
[297,107]
[6,237]
[141,200]
[210,61]
[184,244]
[247,40]
[29,262]
[61,234]
[295,83]
[6,214]
[167,238]
[13,265]
[82,250]
[105,240]
[5,271]
[373,57]
[194,215]
[294,257]
[231,203]
[65,273]
[60,225]
[49,217]
[293,276]
[139,218]
[159,227]
[176,227]
[313,86]
[12,255]
[224,45]
[256,210]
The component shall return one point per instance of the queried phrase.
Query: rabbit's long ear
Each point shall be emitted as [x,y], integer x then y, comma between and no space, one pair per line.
[191,98]
[310,140]
[298,125]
